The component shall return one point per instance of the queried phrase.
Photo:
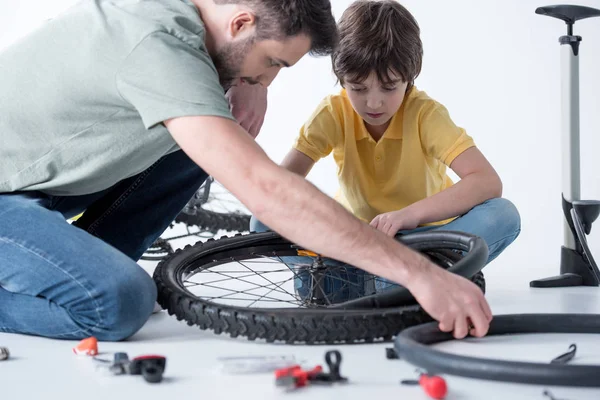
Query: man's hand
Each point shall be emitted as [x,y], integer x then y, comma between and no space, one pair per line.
[248,104]
[390,223]
[457,303]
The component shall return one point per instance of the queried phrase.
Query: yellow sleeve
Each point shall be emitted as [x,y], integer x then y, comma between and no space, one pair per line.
[440,137]
[317,136]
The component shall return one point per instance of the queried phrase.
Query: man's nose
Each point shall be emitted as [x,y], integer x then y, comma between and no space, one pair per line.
[267,78]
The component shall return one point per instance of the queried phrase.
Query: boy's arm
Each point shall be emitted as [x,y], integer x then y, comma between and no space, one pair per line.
[479,182]
[296,209]
[297,162]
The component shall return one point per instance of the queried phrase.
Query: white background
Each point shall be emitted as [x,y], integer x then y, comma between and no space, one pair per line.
[495,64]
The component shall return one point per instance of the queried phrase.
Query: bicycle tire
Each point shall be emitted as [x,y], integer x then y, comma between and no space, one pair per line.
[214,221]
[158,250]
[310,326]
[412,345]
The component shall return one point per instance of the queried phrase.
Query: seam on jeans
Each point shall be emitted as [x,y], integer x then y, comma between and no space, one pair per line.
[94,225]
[7,240]
[6,211]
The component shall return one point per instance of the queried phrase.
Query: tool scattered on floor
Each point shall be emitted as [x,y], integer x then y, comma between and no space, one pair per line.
[151,366]
[116,366]
[565,358]
[257,364]
[4,353]
[550,396]
[88,347]
[433,385]
[296,377]
[390,353]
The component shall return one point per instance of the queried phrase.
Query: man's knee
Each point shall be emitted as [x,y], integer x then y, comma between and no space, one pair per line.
[126,303]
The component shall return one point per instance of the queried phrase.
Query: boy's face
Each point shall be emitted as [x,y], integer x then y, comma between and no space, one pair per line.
[376,102]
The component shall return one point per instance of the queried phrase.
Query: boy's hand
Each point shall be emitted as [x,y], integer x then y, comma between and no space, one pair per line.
[390,223]
[457,303]
[248,104]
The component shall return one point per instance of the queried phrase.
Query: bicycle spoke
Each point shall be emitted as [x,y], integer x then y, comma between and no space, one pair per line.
[242,292]
[242,280]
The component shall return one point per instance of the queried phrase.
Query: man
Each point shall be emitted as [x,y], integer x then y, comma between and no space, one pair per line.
[110,108]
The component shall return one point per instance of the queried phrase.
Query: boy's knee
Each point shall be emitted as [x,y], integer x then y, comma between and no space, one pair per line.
[506,213]
[501,220]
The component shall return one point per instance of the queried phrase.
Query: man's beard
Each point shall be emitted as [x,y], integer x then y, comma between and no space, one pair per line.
[229,59]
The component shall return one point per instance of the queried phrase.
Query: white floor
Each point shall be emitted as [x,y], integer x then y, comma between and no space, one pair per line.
[41,367]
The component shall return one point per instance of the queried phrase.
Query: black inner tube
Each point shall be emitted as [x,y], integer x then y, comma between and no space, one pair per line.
[411,345]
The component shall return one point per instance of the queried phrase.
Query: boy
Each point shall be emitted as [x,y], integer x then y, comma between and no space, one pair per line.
[392,144]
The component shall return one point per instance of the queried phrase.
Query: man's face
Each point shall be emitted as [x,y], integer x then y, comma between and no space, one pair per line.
[258,61]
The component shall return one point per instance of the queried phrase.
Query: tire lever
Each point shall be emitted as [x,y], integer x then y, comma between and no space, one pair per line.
[565,358]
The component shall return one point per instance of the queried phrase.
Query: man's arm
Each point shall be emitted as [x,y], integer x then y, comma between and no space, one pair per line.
[293,207]
[479,182]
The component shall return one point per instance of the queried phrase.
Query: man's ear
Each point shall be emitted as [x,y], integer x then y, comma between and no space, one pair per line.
[242,24]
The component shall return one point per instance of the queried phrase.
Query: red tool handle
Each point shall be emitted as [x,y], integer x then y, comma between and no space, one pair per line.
[295,376]
[435,386]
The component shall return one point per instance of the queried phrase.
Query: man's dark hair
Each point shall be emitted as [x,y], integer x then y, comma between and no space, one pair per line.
[279,19]
[380,36]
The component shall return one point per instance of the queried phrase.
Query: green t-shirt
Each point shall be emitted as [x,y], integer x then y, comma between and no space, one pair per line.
[83,97]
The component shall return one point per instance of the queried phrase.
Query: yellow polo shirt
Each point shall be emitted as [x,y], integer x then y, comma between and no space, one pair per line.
[406,165]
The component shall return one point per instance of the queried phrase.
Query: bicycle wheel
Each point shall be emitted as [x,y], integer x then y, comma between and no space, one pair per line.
[214,208]
[277,308]
[160,249]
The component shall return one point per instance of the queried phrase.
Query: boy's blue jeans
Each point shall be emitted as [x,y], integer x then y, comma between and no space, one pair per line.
[497,221]
[72,281]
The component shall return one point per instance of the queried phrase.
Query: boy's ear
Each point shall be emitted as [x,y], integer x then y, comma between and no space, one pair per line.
[242,24]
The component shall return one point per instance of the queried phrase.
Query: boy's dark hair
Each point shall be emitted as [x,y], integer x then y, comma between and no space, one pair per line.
[278,19]
[380,36]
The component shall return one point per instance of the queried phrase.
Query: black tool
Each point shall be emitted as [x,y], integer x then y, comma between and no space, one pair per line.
[151,367]
[565,358]
[4,353]
[333,358]
[390,353]
[120,364]
[550,396]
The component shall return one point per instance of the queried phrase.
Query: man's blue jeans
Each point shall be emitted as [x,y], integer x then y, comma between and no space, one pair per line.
[497,221]
[72,281]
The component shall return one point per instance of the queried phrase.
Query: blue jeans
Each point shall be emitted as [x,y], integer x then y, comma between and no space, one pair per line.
[497,221]
[72,281]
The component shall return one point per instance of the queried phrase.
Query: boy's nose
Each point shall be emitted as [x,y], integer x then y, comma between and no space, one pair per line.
[374,103]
